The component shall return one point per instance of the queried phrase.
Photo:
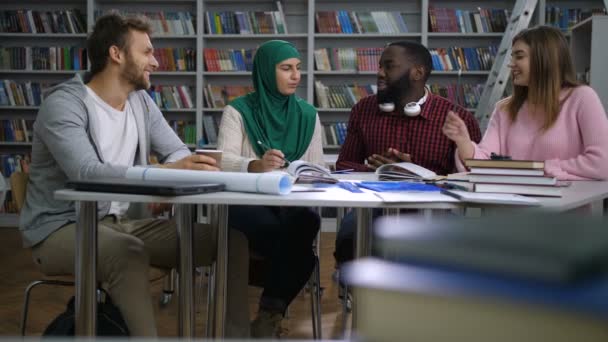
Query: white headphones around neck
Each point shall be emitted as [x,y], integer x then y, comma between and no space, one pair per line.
[411,109]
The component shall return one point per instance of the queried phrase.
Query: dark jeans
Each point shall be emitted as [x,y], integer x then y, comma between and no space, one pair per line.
[284,237]
[345,239]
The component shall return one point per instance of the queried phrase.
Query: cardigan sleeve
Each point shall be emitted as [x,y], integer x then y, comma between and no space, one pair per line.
[314,153]
[230,140]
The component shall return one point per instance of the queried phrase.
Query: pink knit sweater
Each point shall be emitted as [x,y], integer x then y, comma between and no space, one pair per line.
[574,148]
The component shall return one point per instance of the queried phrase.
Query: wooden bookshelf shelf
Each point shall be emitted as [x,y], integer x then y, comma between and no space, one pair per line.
[256,36]
[19,108]
[464,35]
[341,73]
[367,35]
[14,143]
[43,72]
[178,110]
[173,73]
[43,35]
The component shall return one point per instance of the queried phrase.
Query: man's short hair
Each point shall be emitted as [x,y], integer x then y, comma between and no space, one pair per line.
[112,29]
[418,54]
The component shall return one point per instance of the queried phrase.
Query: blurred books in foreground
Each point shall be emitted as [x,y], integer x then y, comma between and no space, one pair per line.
[507,278]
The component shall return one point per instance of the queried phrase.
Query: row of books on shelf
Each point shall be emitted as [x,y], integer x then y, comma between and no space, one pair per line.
[522,177]
[565,18]
[361,59]
[334,133]
[165,23]
[217,96]
[29,21]
[43,58]
[348,22]
[482,20]
[228,59]
[466,95]
[10,163]
[75,58]
[16,130]
[28,93]
[21,93]
[186,130]
[341,96]
[171,97]
[21,130]
[210,129]
[9,206]
[246,22]
[466,59]
[175,59]
[348,59]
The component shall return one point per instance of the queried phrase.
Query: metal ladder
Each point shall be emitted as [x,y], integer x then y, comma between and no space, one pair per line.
[499,74]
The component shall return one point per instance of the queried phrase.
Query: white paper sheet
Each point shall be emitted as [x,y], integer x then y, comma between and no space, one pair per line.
[278,183]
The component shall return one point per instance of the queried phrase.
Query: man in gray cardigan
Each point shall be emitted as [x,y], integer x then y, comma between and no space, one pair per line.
[97,128]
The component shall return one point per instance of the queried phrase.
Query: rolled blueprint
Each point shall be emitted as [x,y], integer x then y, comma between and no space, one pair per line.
[268,183]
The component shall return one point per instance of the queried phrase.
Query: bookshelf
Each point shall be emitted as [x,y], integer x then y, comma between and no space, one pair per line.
[589,44]
[301,21]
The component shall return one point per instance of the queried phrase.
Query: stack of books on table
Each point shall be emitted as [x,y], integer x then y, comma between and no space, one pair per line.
[523,177]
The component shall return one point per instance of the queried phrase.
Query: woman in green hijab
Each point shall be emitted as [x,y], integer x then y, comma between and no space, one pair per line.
[258,133]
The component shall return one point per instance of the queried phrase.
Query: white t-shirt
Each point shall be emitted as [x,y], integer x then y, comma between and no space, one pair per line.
[117,138]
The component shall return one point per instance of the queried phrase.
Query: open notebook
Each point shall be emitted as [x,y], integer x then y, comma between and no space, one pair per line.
[405,171]
[305,172]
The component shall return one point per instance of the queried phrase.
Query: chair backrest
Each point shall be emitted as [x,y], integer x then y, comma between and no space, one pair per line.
[18,188]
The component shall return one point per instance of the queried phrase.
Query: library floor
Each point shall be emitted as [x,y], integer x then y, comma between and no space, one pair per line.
[17,270]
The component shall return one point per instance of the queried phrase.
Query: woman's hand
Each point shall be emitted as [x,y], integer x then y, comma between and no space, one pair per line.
[271,160]
[456,130]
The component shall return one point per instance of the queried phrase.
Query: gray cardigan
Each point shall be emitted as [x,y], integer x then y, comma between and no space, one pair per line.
[65,147]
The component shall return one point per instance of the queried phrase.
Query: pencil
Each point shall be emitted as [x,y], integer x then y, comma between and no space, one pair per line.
[287,162]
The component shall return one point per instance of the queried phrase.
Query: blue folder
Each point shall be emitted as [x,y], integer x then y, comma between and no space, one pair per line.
[398,186]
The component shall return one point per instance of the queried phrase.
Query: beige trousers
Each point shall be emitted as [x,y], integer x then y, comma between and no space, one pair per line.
[126,249]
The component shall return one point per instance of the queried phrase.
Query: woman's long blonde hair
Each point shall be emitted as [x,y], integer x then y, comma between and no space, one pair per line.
[551,70]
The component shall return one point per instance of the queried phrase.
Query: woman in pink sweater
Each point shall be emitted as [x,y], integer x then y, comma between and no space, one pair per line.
[549,117]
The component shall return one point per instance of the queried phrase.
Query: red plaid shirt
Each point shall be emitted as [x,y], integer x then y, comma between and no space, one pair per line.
[371,131]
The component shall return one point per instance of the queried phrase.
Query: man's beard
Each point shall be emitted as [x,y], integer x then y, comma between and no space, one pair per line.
[131,74]
[393,91]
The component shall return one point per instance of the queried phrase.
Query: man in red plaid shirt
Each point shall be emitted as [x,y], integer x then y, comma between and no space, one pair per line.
[385,136]
[380,137]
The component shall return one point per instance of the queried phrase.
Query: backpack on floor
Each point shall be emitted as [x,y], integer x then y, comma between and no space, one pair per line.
[109,320]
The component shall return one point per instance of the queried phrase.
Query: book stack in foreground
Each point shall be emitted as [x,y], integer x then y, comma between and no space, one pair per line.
[523,177]
[495,278]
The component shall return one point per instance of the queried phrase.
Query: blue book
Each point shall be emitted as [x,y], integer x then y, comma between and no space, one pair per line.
[3,96]
[405,302]
[397,186]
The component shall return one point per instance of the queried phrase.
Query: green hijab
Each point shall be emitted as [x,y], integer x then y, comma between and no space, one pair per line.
[281,122]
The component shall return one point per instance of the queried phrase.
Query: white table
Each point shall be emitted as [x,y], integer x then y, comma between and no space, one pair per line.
[579,194]
[86,241]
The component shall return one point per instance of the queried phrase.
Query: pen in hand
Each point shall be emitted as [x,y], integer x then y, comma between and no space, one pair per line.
[268,148]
